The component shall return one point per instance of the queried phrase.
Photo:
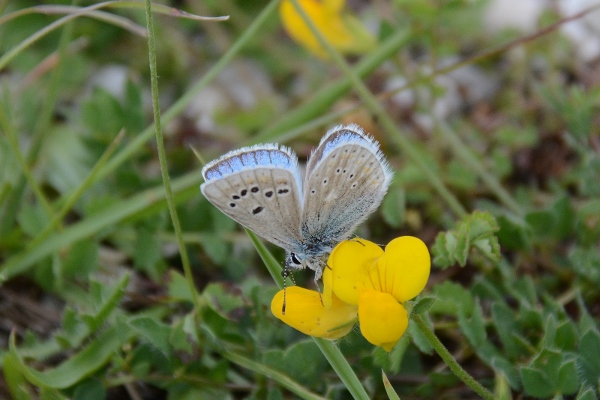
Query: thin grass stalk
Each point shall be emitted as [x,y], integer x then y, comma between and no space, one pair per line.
[162,157]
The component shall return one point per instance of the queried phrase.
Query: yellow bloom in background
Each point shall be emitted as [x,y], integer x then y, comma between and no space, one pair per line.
[361,278]
[341,29]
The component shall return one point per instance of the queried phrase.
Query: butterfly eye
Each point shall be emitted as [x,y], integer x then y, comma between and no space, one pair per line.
[294,259]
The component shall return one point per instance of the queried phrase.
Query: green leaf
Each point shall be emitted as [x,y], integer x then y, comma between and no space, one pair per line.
[398,352]
[586,263]
[514,234]
[504,321]
[536,383]
[550,332]
[589,358]
[586,394]
[180,339]
[474,231]
[389,389]
[568,381]
[108,303]
[178,287]
[566,336]
[82,259]
[90,389]
[423,304]
[473,327]
[452,298]
[215,247]
[509,371]
[418,338]
[147,253]
[32,219]
[155,332]
[78,366]
[15,381]
[222,299]
[294,360]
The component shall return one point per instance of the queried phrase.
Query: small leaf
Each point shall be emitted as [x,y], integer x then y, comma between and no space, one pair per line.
[475,230]
[389,390]
[155,332]
[586,394]
[589,358]
[568,381]
[423,304]
[90,389]
[473,327]
[418,339]
[76,367]
[566,336]
[536,383]
[452,298]
[15,381]
[397,353]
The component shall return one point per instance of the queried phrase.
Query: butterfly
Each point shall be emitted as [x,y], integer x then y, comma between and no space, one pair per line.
[261,187]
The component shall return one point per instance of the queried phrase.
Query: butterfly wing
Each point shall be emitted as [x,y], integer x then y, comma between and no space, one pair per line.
[260,188]
[347,177]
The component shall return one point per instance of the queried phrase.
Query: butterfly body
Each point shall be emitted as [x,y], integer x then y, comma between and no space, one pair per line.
[261,188]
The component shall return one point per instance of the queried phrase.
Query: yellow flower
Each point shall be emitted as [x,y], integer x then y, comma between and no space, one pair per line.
[305,312]
[360,273]
[341,29]
[361,278]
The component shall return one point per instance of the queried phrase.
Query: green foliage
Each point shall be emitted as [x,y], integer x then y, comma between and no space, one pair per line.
[475,231]
[501,180]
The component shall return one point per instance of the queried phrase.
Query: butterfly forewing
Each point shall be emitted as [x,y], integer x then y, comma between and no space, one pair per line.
[346,180]
[259,188]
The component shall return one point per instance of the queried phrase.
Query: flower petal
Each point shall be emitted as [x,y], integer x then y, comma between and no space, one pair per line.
[341,29]
[305,312]
[404,270]
[382,319]
[349,265]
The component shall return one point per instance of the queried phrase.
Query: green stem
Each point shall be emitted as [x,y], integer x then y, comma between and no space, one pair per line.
[450,360]
[342,368]
[164,169]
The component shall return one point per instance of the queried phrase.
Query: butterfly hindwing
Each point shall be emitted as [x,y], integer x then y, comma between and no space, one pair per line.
[347,177]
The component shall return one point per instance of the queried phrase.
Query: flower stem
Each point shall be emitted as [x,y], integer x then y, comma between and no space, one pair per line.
[450,360]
